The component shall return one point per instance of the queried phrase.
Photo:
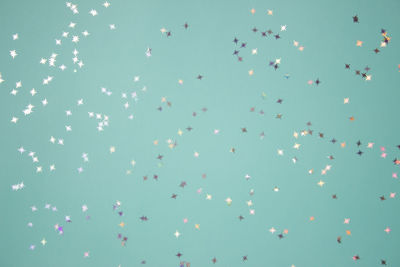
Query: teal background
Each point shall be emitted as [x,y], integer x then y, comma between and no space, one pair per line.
[113,57]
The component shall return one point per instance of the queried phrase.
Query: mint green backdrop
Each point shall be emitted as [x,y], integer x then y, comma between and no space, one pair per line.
[303,212]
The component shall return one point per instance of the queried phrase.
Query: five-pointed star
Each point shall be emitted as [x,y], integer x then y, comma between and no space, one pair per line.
[13,53]
[112,149]
[177,234]
[93,12]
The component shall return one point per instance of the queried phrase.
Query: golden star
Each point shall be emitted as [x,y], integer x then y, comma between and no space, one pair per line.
[264,95]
